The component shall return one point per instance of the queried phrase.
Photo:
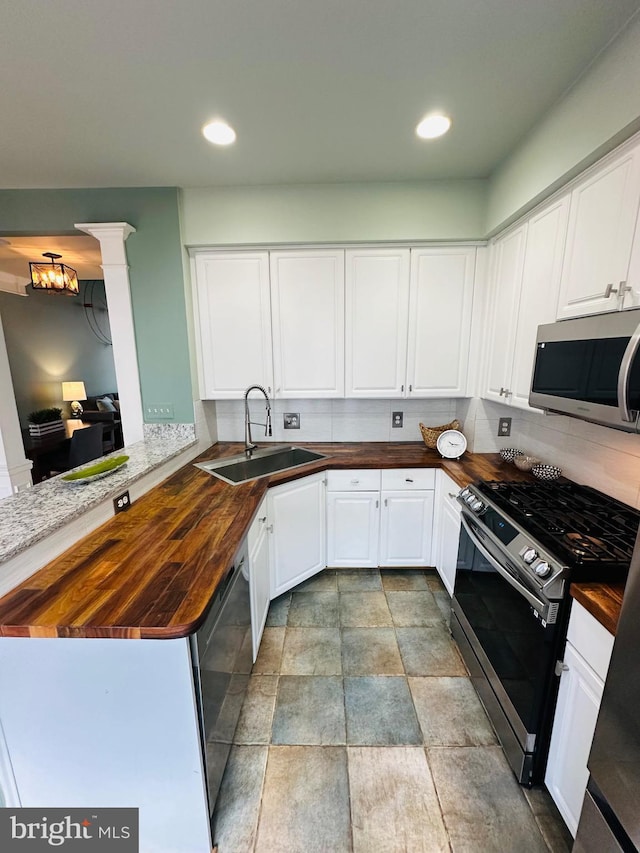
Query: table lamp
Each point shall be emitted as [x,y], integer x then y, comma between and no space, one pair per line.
[72,392]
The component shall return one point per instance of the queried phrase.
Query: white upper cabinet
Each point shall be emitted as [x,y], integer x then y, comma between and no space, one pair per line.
[507,261]
[602,222]
[440,308]
[539,292]
[233,323]
[307,305]
[377,308]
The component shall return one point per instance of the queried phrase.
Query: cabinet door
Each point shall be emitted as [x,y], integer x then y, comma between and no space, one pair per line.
[406,524]
[377,308]
[505,282]
[440,308]
[307,298]
[233,323]
[546,233]
[260,582]
[297,515]
[602,220]
[573,727]
[352,529]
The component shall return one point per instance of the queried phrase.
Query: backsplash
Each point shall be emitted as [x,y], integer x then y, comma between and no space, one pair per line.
[334,420]
[604,458]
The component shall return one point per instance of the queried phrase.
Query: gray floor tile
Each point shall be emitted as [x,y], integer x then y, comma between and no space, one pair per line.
[414,609]
[483,806]
[443,600]
[323,582]
[235,820]
[550,822]
[358,580]
[380,712]
[309,710]
[305,804]
[364,610]
[403,579]
[269,657]
[312,651]
[450,713]
[370,651]
[256,717]
[433,581]
[394,806]
[314,608]
[429,651]
[279,611]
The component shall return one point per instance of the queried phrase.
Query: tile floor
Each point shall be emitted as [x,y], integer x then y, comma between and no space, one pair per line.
[362,732]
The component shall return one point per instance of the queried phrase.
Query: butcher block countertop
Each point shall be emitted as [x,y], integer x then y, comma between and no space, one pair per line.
[152,571]
[602,600]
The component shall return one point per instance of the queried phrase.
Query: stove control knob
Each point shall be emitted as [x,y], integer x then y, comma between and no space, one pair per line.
[463,494]
[529,556]
[543,569]
[477,505]
[470,498]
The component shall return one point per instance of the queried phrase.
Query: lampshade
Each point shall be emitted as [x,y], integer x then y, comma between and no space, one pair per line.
[53,277]
[73,391]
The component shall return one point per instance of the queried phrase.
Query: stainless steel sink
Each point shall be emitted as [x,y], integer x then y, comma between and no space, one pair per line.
[240,469]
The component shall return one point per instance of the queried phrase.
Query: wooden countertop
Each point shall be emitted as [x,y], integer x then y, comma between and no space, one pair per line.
[602,600]
[152,571]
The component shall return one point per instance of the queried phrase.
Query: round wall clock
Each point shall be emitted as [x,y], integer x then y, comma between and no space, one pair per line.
[451,444]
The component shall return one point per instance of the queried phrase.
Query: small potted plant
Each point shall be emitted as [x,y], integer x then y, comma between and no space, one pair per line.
[45,421]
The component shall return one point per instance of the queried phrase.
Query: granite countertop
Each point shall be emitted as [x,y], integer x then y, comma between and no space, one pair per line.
[151,572]
[34,514]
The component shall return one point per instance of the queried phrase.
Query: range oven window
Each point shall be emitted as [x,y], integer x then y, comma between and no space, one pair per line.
[585,370]
[520,649]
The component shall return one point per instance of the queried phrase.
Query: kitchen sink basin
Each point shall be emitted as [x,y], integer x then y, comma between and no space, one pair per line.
[241,468]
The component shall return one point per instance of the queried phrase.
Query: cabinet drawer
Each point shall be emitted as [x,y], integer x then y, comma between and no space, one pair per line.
[409,478]
[590,638]
[356,480]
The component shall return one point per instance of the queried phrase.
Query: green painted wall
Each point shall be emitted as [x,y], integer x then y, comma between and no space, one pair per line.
[155,259]
[598,113]
[334,213]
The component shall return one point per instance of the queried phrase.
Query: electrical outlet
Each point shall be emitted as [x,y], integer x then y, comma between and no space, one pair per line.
[122,502]
[292,420]
[397,419]
[159,412]
[504,426]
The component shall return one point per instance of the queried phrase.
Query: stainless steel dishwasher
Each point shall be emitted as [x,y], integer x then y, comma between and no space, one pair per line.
[222,658]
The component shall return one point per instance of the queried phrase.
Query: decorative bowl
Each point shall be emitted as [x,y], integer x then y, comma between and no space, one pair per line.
[526,463]
[546,472]
[510,453]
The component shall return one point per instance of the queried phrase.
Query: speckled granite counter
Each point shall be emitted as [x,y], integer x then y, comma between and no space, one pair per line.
[32,515]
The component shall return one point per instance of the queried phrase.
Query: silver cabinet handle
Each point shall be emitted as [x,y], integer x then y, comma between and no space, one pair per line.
[609,289]
[408,480]
[377,504]
[386,502]
[270,528]
[452,495]
[623,375]
[505,391]
[402,388]
[561,667]
[410,388]
[355,482]
[263,519]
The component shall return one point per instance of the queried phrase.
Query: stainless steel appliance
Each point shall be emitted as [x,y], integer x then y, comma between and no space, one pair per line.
[610,818]
[589,368]
[520,544]
[222,657]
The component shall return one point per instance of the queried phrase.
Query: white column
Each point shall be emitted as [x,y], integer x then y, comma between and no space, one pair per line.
[112,236]
[15,468]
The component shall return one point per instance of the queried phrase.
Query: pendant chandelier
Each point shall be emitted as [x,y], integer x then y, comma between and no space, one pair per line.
[53,277]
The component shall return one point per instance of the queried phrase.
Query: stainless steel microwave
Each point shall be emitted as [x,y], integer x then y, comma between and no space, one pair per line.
[589,368]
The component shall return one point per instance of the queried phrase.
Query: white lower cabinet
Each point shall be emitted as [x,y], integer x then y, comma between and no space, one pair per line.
[446,530]
[586,660]
[297,521]
[379,518]
[259,574]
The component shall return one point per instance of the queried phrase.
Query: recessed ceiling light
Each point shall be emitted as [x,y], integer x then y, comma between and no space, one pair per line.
[433,126]
[219,132]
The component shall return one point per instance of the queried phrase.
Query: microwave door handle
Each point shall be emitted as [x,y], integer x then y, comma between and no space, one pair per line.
[535,602]
[624,373]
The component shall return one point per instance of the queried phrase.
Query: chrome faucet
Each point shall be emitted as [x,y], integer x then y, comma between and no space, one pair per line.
[249,446]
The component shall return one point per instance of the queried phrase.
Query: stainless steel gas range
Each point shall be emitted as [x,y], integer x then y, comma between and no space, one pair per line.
[521,544]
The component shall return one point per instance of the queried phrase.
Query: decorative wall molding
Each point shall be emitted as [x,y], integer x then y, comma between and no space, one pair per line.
[10,283]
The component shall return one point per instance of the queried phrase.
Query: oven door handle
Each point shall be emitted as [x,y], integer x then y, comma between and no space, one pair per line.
[538,605]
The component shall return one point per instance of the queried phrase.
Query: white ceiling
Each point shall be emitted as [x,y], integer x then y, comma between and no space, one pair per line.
[114,93]
[80,253]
